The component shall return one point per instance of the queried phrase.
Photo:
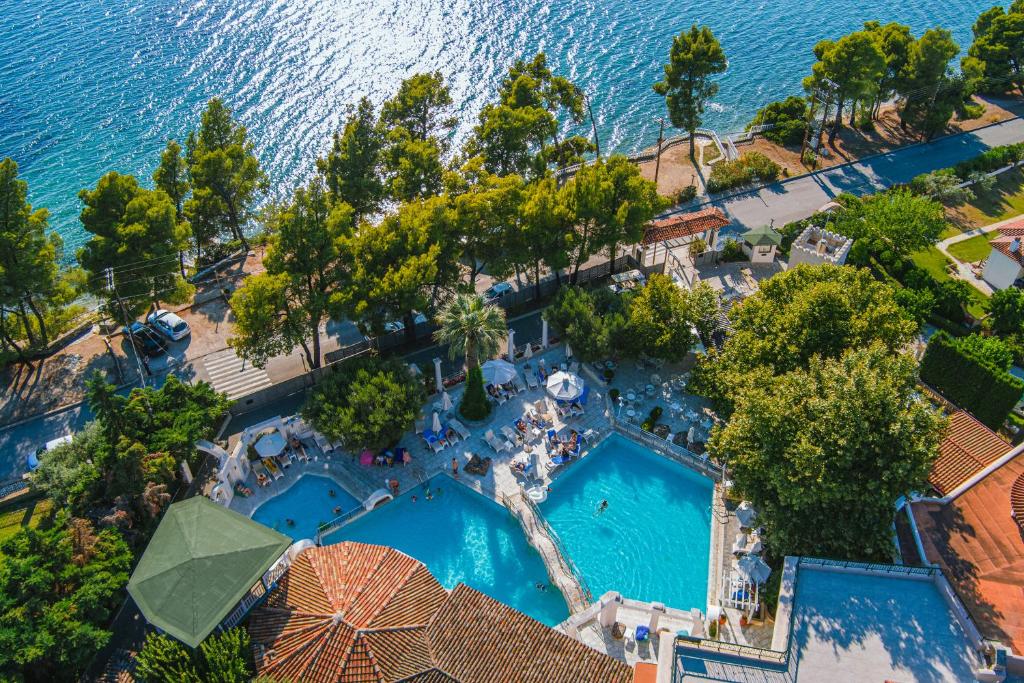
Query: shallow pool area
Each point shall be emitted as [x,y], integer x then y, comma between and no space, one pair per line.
[308,503]
[463,537]
[652,541]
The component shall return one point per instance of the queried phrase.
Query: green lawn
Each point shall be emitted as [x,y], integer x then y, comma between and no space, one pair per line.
[1005,201]
[31,513]
[973,250]
[935,262]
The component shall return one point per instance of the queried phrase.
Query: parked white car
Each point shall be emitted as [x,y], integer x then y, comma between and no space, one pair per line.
[398,325]
[169,324]
[498,291]
[33,458]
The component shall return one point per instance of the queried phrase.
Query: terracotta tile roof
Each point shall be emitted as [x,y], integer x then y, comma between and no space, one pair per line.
[980,547]
[685,225]
[967,448]
[477,639]
[336,606]
[1017,500]
[1007,234]
[363,613]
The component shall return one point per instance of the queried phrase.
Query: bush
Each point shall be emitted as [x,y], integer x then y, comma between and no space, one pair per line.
[474,405]
[733,251]
[990,160]
[752,166]
[941,186]
[971,111]
[967,379]
[1007,307]
[655,413]
[790,119]
[687,194]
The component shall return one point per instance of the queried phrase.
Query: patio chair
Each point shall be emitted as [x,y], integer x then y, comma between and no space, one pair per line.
[517,384]
[511,433]
[495,443]
[531,381]
[460,428]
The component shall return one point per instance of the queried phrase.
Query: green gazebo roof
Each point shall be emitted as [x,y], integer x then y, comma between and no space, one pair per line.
[200,562]
[762,236]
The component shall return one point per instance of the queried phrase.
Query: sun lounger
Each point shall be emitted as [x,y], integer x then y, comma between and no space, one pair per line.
[272,467]
[497,444]
[511,433]
[574,367]
[531,381]
[460,428]
[517,384]
[741,545]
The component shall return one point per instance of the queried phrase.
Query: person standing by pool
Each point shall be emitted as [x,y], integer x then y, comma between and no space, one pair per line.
[455,468]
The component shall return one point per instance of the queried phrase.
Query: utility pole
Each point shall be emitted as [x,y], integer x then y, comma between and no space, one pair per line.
[657,163]
[810,124]
[109,273]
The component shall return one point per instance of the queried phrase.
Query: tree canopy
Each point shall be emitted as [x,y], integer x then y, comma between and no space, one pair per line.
[999,47]
[660,320]
[135,233]
[471,327]
[366,403]
[284,307]
[825,451]
[804,312]
[696,56]
[855,65]
[226,177]
[29,265]
[898,220]
[58,587]
[221,658]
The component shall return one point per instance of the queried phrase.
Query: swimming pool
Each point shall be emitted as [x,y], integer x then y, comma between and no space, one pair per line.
[653,542]
[308,503]
[463,537]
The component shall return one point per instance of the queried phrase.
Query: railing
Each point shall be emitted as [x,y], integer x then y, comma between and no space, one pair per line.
[669,449]
[640,157]
[563,553]
[868,567]
[254,595]
[734,649]
[13,487]
[335,524]
[562,556]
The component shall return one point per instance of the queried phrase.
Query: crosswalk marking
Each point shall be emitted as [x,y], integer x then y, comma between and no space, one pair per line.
[233,376]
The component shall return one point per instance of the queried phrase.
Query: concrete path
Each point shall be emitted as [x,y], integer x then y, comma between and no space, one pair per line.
[798,198]
[964,271]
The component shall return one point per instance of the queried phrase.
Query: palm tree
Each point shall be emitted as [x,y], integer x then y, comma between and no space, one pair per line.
[471,327]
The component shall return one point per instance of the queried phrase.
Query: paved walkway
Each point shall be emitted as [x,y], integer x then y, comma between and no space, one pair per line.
[798,198]
[964,271]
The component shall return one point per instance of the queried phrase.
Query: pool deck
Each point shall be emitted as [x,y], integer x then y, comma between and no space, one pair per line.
[681,410]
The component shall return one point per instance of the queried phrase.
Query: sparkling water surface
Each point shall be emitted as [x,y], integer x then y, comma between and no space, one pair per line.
[653,541]
[87,87]
[463,537]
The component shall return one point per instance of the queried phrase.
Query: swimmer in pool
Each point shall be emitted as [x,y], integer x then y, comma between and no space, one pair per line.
[290,522]
[429,496]
[602,507]
[541,587]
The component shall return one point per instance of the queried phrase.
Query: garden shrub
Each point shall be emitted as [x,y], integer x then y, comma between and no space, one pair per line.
[687,194]
[752,166]
[790,119]
[958,372]
[733,251]
[990,160]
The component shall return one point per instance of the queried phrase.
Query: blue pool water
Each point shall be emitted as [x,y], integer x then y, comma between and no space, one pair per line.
[308,502]
[653,541]
[87,87]
[463,537]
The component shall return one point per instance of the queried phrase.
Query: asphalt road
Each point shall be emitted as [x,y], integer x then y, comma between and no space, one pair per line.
[798,198]
[782,202]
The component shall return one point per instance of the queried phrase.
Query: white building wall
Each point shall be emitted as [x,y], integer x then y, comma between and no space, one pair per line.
[1000,270]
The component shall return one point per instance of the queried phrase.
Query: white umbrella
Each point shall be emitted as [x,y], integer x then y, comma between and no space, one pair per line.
[270,445]
[498,371]
[568,351]
[511,345]
[437,423]
[528,352]
[753,569]
[564,386]
[691,434]
[446,401]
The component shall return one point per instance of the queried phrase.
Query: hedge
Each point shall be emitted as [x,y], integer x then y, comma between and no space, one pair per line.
[982,389]
[991,160]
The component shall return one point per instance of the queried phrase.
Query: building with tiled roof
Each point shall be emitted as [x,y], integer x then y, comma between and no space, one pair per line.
[967,448]
[358,612]
[1005,264]
[703,224]
[978,543]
